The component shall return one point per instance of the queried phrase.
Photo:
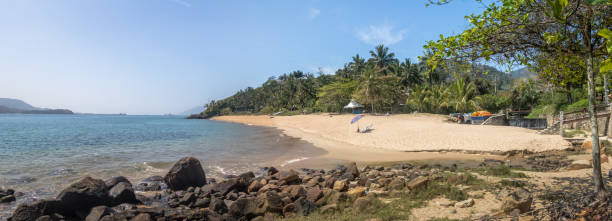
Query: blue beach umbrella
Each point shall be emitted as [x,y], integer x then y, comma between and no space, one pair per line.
[356,118]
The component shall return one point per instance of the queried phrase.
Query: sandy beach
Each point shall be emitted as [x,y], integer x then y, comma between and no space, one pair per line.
[403,136]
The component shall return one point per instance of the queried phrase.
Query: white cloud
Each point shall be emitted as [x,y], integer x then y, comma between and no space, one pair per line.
[182,2]
[382,34]
[313,13]
[324,70]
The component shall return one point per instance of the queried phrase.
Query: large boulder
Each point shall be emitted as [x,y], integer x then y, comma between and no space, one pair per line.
[418,182]
[32,211]
[185,173]
[288,176]
[110,183]
[352,169]
[84,194]
[122,193]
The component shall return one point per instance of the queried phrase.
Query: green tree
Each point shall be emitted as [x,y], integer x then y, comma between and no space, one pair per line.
[419,98]
[382,58]
[462,94]
[519,30]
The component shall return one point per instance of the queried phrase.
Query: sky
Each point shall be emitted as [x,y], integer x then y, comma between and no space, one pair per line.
[167,56]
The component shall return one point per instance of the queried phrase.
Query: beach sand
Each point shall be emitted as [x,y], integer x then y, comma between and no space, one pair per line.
[403,137]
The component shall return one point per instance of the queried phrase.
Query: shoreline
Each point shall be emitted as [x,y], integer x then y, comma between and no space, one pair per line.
[346,145]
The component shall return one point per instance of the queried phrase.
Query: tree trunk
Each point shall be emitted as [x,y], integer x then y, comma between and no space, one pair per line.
[597,178]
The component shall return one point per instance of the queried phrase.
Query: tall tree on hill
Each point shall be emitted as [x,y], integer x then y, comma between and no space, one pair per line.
[520,30]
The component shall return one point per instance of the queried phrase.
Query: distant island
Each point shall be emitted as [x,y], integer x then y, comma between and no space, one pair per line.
[16,106]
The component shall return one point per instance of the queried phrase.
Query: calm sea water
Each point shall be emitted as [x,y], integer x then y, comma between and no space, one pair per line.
[41,154]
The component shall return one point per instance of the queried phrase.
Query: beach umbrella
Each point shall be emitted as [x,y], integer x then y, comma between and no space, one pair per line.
[356,118]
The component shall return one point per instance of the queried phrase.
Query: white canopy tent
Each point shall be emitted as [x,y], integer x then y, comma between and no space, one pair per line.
[353,105]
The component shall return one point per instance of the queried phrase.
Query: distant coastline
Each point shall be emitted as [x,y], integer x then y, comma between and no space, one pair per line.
[6,110]
[16,106]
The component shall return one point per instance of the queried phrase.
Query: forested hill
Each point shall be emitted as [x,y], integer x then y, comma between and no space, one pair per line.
[15,106]
[381,82]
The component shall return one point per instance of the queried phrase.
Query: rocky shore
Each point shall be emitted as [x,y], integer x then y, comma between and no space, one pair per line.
[185,193]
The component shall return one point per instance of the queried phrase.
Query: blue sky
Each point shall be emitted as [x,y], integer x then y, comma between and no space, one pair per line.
[166,56]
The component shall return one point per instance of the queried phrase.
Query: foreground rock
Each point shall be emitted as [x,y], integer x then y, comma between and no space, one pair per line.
[7,196]
[84,194]
[272,195]
[186,173]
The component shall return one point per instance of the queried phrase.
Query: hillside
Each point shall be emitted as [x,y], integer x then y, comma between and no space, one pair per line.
[523,73]
[15,106]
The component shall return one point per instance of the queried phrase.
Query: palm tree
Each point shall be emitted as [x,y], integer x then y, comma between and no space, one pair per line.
[419,97]
[357,66]
[462,94]
[438,99]
[413,72]
[382,58]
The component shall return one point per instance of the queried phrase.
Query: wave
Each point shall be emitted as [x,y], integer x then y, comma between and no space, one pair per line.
[293,161]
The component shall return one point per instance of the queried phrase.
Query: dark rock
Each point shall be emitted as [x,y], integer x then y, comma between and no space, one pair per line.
[7,199]
[610,173]
[217,205]
[31,211]
[110,183]
[84,194]
[153,183]
[97,213]
[288,176]
[187,172]
[187,199]
[314,194]
[352,169]
[304,207]
[271,171]
[246,178]
[226,186]
[122,193]
[202,203]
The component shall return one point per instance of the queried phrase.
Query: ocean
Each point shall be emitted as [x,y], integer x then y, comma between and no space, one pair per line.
[42,154]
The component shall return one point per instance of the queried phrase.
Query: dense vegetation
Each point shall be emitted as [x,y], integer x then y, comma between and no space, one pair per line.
[383,83]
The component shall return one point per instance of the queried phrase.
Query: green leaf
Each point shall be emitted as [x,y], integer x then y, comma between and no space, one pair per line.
[606,66]
[606,33]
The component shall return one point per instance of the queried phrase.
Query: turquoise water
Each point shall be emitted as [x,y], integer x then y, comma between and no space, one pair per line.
[41,154]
